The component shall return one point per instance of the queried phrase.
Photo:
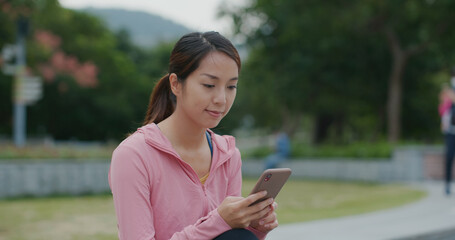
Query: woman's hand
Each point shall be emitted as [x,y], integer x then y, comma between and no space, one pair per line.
[267,223]
[237,212]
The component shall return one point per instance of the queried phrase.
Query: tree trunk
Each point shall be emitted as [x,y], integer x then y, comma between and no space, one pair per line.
[395,97]
[395,86]
[339,125]
[322,124]
[400,57]
[290,122]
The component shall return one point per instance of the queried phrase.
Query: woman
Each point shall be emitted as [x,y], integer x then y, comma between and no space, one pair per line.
[447,113]
[174,178]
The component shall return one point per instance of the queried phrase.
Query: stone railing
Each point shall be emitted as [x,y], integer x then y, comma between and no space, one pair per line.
[406,165]
[72,177]
[52,177]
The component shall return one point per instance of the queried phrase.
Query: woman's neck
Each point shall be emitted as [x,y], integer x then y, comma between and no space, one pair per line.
[182,132]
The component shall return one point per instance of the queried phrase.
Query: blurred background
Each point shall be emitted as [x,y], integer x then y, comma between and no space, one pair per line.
[343,79]
[363,71]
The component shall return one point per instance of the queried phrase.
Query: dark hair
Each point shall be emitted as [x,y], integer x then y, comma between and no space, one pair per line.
[185,58]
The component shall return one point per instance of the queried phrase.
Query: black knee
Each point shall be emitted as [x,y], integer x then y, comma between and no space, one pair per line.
[237,233]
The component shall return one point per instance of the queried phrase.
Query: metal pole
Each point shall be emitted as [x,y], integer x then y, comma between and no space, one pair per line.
[19,109]
[19,124]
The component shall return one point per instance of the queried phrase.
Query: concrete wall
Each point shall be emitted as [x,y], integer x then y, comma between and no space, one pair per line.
[22,178]
[42,178]
[407,164]
[434,164]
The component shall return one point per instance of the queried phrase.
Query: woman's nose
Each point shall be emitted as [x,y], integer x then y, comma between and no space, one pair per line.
[220,97]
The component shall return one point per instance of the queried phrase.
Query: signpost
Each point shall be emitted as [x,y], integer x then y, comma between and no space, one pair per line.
[26,89]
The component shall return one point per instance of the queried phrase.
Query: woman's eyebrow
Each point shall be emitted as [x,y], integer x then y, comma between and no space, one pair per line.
[216,78]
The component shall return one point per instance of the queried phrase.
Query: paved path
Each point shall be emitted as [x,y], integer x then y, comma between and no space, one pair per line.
[430,218]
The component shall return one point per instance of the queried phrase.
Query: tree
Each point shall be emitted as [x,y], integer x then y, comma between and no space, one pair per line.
[325,60]
[301,53]
[95,87]
[409,28]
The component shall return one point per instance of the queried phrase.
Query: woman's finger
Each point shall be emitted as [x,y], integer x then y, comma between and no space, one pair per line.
[263,205]
[271,226]
[263,210]
[254,197]
[270,217]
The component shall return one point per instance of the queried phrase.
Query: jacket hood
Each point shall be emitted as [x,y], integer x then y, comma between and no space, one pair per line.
[155,138]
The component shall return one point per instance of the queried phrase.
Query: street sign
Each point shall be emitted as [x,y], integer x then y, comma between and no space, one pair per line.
[28,89]
[9,52]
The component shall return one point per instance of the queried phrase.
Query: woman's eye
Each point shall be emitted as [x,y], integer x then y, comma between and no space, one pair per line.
[232,87]
[209,85]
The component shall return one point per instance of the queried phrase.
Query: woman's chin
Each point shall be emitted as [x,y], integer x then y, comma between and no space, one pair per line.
[212,124]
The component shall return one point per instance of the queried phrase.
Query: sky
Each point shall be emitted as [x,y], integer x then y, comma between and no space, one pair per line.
[199,15]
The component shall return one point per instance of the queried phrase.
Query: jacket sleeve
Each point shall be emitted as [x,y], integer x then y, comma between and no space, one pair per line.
[235,186]
[130,186]
[207,227]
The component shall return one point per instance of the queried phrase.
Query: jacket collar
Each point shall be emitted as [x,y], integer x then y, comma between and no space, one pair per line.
[224,144]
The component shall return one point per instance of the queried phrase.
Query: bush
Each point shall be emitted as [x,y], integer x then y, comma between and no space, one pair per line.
[10,152]
[355,150]
[358,150]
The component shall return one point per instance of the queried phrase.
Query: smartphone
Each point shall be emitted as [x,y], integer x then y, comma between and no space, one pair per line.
[271,180]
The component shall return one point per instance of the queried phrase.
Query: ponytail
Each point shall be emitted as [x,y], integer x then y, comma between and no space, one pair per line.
[162,102]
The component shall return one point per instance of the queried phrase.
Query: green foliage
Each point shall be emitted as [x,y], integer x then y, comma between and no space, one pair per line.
[331,60]
[260,152]
[6,84]
[357,150]
[103,112]
[40,153]
[112,106]
[363,151]
[7,31]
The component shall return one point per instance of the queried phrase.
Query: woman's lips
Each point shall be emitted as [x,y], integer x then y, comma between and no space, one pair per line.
[214,113]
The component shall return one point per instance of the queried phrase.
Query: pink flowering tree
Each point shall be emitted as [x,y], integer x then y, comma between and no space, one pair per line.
[92,90]
[84,73]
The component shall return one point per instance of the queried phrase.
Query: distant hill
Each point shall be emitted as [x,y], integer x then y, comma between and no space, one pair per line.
[146,29]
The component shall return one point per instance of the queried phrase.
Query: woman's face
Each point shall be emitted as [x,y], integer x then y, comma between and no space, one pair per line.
[208,93]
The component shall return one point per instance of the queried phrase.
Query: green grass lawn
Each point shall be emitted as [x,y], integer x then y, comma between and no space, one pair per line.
[93,217]
[301,200]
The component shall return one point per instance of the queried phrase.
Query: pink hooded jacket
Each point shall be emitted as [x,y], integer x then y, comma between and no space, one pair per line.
[159,196]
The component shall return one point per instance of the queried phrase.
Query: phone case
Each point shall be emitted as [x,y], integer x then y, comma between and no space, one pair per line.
[271,180]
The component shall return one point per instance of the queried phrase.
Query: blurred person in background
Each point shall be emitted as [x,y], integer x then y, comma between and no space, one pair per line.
[174,178]
[282,150]
[447,113]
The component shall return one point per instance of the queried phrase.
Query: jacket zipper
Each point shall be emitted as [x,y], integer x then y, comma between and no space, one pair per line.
[192,174]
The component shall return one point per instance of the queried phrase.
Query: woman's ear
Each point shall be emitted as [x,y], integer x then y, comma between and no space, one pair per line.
[175,84]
